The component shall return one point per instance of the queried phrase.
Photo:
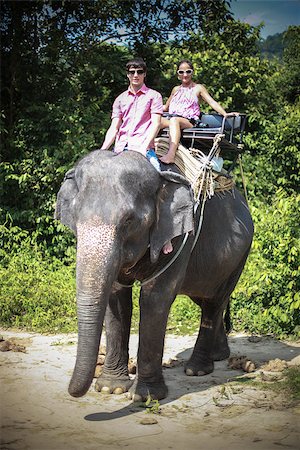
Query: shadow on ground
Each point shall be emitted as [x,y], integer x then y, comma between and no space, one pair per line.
[260,351]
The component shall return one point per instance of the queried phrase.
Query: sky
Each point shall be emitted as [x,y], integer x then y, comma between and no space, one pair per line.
[277,15]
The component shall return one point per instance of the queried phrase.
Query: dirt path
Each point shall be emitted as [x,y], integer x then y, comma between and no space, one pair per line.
[200,413]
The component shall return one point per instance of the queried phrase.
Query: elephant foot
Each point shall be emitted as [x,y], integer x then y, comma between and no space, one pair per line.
[140,391]
[108,385]
[221,353]
[198,368]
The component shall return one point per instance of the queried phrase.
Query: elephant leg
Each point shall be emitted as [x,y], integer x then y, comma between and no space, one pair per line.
[212,343]
[202,361]
[115,377]
[155,303]
[221,348]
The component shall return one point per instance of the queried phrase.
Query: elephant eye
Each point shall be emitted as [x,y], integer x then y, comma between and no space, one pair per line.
[128,221]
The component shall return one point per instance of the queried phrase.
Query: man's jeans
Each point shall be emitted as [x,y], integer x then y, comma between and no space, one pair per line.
[151,156]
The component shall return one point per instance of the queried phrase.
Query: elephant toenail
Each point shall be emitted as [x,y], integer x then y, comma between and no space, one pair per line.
[137,398]
[105,390]
[118,391]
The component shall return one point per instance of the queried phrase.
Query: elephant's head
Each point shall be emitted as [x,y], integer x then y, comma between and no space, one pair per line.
[116,205]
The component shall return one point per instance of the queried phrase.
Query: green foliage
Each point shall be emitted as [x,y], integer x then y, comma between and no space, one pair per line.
[152,406]
[60,76]
[291,57]
[272,46]
[36,292]
[34,297]
[184,316]
[277,160]
[267,298]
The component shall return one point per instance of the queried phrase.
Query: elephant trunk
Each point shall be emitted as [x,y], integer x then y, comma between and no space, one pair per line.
[95,273]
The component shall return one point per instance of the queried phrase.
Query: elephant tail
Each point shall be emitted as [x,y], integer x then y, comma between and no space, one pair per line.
[227,319]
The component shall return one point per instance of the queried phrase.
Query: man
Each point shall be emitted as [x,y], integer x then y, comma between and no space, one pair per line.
[136,115]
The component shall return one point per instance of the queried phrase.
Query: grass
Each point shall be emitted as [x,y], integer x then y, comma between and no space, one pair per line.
[184,317]
[39,295]
[288,386]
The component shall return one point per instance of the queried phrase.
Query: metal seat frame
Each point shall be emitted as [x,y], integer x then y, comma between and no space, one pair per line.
[202,136]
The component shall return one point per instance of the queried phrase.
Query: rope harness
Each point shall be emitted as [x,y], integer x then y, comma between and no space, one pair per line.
[198,169]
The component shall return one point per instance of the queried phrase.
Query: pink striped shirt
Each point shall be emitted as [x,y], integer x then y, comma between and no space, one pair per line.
[185,103]
[135,110]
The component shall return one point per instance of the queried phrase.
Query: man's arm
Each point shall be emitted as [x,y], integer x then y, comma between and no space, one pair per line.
[111,133]
[152,132]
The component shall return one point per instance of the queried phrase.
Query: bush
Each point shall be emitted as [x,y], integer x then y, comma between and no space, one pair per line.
[36,292]
[267,298]
[184,316]
[38,289]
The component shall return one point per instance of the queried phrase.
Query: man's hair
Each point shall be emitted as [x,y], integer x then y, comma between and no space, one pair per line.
[136,63]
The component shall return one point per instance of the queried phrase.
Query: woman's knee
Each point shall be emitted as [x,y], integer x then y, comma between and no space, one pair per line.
[180,123]
[164,123]
[174,123]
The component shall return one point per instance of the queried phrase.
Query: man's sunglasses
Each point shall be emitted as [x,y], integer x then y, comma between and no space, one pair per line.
[188,72]
[138,71]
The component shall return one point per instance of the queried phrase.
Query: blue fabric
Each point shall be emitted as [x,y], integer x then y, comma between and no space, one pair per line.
[217,163]
[152,157]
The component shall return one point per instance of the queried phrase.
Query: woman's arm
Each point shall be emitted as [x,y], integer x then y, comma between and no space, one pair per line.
[167,104]
[208,98]
[202,91]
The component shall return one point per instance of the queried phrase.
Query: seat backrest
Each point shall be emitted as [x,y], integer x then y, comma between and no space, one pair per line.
[215,121]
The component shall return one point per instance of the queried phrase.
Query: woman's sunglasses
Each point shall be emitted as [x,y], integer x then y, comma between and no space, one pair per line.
[138,71]
[182,72]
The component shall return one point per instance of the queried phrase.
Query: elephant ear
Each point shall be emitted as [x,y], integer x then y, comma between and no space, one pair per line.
[64,210]
[175,212]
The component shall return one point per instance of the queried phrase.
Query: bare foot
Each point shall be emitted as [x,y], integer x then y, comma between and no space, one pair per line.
[167,159]
[168,248]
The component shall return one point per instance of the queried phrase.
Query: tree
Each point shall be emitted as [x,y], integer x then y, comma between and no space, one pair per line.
[291,58]
[272,46]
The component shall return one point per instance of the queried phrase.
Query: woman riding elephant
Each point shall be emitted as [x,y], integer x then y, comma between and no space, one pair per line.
[183,107]
[123,211]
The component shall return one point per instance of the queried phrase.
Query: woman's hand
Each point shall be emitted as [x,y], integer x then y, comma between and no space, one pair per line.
[232,114]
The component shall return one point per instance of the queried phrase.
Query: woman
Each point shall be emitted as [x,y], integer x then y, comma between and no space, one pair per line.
[183,107]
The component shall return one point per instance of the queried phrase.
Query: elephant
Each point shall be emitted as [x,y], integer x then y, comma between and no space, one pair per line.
[122,211]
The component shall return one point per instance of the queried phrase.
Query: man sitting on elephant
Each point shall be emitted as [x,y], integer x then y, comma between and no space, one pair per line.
[136,115]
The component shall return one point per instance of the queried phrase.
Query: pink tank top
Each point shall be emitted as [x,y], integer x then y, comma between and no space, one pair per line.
[185,103]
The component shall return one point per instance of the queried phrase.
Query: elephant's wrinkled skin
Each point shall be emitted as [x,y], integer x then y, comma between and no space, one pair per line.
[122,211]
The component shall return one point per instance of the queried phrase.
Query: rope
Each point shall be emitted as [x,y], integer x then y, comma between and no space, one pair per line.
[157,274]
[200,221]
[243,179]
[193,163]
[205,175]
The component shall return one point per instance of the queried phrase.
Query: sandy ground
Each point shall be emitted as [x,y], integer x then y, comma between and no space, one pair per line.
[210,412]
